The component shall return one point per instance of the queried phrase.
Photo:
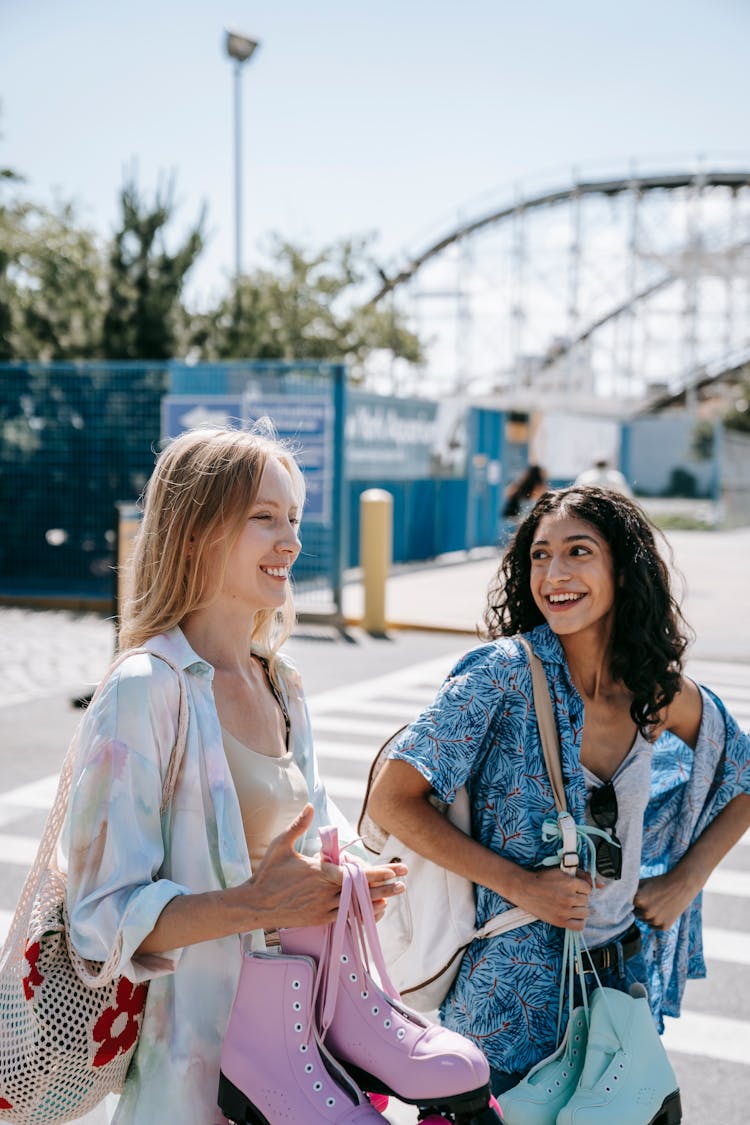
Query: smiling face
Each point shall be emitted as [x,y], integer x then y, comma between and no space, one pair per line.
[572,576]
[256,576]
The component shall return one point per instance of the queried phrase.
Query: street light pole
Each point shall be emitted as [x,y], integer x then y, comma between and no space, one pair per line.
[239,48]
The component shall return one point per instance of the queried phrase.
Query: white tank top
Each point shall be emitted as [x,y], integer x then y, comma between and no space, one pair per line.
[271,792]
[611,906]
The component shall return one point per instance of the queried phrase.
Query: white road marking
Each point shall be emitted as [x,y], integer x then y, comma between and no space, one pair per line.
[713,1037]
[725,881]
[726,945]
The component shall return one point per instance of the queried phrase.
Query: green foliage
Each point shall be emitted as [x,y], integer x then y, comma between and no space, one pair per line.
[738,417]
[67,295]
[145,280]
[305,307]
[702,441]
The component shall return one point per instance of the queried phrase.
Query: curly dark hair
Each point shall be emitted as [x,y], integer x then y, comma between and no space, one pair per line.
[650,634]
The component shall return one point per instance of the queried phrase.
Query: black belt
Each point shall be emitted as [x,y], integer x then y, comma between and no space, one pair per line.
[605,956]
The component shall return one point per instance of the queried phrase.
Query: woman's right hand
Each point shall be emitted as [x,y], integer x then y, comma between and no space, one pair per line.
[290,889]
[553,896]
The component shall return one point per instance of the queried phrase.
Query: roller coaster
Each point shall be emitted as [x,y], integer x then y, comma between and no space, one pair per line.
[605,290]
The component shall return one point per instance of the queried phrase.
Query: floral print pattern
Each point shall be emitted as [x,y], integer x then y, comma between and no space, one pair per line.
[33,978]
[118,1026]
[481,732]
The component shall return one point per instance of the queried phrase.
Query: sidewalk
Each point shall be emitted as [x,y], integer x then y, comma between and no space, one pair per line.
[712,581]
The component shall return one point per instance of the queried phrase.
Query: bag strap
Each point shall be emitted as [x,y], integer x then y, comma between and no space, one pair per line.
[545,718]
[46,857]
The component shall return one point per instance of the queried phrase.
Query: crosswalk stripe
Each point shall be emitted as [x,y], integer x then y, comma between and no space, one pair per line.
[726,945]
[345,789]
[344,752]
[6,917]
[37,795]
[363,727]
[725,881]
[18,849]
[712,1037]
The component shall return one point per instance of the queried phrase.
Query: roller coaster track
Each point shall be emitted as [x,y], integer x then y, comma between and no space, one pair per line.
[637,185]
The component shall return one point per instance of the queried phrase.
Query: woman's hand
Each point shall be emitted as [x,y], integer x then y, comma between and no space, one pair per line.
[294,890]
[552,895]
[660,901]
[385,882]
[291,889]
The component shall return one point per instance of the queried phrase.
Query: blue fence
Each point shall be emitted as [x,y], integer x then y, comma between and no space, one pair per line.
[77,439]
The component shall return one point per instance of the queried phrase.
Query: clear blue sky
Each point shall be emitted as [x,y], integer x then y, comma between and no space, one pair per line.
[394,117]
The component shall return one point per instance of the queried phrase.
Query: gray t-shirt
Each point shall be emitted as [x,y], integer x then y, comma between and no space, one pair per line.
[611,906]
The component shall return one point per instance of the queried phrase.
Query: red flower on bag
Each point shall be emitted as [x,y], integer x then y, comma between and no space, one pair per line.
[118,1026]
[33,978]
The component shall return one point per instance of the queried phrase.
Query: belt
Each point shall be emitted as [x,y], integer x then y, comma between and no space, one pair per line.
[605,956]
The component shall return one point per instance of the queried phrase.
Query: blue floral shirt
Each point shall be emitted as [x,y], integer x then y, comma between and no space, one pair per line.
[481,732]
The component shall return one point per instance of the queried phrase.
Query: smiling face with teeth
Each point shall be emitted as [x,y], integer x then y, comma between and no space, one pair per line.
[572,576]
[257,569]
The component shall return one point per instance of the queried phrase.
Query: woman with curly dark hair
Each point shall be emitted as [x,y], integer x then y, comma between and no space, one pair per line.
[650,759]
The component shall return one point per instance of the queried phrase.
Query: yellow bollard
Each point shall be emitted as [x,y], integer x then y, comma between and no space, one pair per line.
[375,554]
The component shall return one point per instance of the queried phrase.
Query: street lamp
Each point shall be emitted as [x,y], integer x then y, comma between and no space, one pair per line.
[240,48]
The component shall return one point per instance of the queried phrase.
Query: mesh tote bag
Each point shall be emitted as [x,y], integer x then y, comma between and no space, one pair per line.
[68,1026]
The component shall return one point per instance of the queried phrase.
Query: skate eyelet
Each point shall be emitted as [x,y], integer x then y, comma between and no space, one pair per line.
[303,1047]
[298,1027]
[364,994]
[375,1010]
[400,1033]
[296,1006]
[317,1086]
[296,984]
[352,976]
[330,1101]
[386,1023]
[344,958]
[309,1068]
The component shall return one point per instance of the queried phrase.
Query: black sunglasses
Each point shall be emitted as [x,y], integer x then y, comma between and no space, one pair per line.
[603,808]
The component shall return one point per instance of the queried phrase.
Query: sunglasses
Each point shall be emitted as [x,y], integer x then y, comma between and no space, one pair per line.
[603,809]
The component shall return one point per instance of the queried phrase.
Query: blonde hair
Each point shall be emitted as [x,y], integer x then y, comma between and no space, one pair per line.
[198,497]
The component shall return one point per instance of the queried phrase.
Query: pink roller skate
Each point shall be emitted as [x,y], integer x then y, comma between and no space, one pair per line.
[273,1066]
[386,1047]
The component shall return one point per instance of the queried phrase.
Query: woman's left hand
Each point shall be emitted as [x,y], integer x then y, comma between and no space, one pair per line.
[385,882]
[660,901]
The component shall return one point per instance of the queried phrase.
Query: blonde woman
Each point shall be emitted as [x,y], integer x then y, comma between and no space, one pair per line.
[234,851]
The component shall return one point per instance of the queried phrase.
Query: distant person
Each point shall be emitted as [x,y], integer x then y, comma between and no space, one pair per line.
[524,492]
[602,475]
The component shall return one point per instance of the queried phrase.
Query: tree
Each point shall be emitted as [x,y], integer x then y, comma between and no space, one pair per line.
[738,417]
[60,271]
[305,307]
[145,280]
[51,276]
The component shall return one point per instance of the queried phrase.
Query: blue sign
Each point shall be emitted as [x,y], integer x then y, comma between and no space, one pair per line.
[187,412]
[305,422]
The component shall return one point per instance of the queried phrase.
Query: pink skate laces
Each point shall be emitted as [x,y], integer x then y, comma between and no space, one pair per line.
[355,916]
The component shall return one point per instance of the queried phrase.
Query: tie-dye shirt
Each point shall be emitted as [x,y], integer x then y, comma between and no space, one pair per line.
[481,732]
[126,862]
